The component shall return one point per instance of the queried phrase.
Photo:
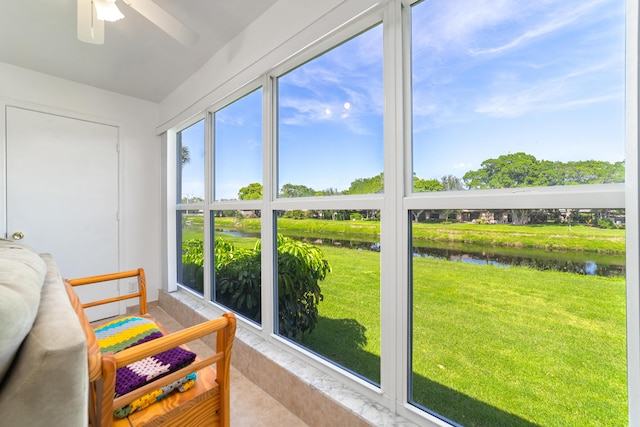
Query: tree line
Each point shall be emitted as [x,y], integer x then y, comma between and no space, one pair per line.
[506,171]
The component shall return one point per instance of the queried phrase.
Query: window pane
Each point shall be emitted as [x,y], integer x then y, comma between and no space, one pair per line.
[190,145]
[238,149]
[190,234]
[520,325]
[328,285]
[518,94]
[330,122]
[237,251]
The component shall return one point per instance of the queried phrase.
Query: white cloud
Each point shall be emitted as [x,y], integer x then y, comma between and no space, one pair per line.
[507,58]
[516,97]
[554,20]
[460,26]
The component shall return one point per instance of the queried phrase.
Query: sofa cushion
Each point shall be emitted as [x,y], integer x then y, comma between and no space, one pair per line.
[22,273]
[48,384]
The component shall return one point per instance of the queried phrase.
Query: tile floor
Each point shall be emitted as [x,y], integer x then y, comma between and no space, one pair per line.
[250,405]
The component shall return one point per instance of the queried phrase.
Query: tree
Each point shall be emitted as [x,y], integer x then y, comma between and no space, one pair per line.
[593,172]
[451,183]
[524,170]
[301,267]
[252,191]
[291,190]
[507,171]
[371,185]
[423,185]
[185,157]
[328,192]
[519,216]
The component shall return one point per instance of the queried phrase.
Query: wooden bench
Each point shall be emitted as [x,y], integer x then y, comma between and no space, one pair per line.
[206,403]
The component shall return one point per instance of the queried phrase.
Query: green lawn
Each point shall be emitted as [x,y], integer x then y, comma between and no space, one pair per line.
[491,346]
[546,347]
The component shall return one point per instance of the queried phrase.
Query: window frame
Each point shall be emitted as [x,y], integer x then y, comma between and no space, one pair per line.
[213,205]
[398,200]
[578,196]
[172,201]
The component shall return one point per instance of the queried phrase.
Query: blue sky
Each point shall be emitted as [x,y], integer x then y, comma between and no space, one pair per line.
[489,78]
[498,77]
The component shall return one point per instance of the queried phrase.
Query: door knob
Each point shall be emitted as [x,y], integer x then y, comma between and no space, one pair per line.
[18,235]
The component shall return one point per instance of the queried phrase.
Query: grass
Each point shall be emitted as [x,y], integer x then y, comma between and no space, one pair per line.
[548,347]
[348,331]
[491,346]
[547,236]
[559,237]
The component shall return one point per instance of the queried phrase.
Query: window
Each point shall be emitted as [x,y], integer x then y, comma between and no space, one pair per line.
[329,286]
[190,196]
[237,142]
[527,329]
[330,143]
[330,122]
[238,149]
[520,95]
[429,204]
[518,315]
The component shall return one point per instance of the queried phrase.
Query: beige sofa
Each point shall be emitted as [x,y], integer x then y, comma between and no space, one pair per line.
[43,356]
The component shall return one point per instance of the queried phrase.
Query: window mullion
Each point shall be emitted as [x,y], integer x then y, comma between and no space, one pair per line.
[208,199]
[269,174]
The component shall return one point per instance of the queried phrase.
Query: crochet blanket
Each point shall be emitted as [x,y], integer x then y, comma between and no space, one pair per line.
[130,331]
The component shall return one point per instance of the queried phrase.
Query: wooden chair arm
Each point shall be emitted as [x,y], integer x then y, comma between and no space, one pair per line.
[141,294]
[169,341]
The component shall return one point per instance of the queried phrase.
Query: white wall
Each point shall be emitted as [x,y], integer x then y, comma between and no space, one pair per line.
[140,155]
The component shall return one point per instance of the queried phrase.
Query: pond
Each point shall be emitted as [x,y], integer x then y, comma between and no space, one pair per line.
[586,263]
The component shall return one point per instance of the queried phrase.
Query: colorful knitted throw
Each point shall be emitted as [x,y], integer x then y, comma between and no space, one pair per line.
[131,331]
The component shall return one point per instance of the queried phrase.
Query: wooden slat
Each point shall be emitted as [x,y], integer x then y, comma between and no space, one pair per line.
[195,407]
[141,294]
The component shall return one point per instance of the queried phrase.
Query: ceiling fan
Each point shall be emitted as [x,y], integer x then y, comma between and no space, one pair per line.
[92,15]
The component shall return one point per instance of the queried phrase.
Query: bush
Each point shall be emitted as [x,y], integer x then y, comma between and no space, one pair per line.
[301,267]
[192,264]
[238,279]
[606,223]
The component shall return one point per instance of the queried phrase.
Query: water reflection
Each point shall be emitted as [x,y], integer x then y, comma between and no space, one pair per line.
[577,263]
[585,263]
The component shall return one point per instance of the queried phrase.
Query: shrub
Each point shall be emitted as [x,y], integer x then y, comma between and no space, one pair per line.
[238,279]
[301,267]
[606,223]
[192,264]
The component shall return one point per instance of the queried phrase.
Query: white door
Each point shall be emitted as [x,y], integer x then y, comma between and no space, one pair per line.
[62,195]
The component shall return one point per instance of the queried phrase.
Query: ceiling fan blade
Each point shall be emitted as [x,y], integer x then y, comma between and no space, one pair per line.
[164,21]
[90,29]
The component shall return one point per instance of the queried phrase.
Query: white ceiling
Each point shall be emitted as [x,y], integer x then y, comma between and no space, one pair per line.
[137,58]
